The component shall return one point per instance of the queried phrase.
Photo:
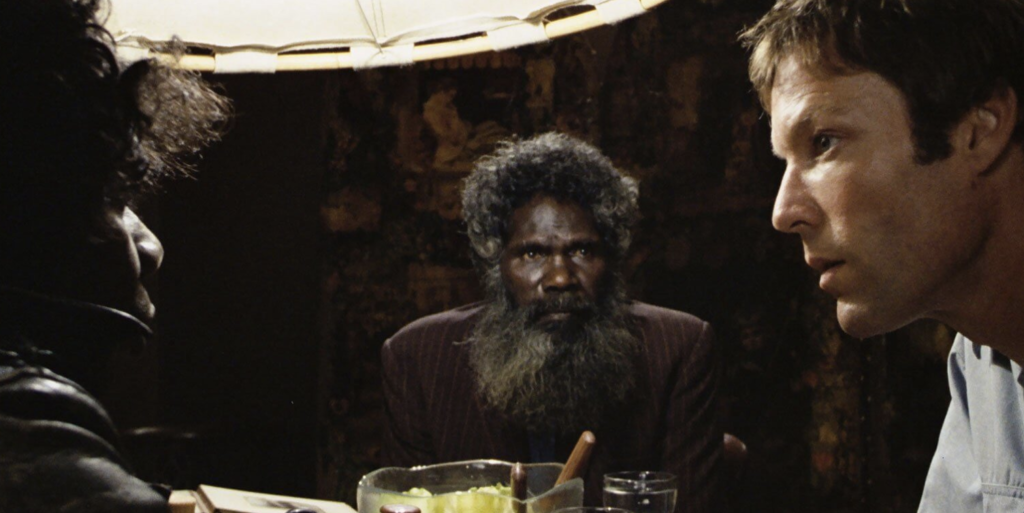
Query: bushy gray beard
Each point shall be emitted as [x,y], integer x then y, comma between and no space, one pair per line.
[558,378]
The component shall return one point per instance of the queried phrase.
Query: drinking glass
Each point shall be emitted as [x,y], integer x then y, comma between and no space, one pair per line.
[584,509]
[641,491]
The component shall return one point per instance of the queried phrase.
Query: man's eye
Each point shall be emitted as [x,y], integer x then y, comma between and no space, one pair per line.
[823,143]
[530,254]
[582,252]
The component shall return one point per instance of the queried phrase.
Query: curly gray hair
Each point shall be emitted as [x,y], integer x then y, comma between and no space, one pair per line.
[551,164]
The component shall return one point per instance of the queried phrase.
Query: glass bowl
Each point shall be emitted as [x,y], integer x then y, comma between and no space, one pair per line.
[449,485]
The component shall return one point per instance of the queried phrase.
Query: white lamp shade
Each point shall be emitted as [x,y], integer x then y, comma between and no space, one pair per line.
[272,35]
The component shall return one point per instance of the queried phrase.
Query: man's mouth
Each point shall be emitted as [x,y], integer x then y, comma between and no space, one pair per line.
[556,316]
[561,310]
[823,265]
[828,269]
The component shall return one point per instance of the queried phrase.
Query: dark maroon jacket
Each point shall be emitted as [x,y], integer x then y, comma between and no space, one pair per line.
[434,414]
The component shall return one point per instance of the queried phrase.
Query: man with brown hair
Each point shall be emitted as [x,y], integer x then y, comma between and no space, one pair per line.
[82,137]
[900,127]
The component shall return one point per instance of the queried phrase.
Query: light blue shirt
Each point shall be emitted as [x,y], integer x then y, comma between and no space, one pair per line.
[979,462]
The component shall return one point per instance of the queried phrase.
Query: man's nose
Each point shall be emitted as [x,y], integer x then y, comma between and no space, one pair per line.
[147,245]
[559,275]
[795,210]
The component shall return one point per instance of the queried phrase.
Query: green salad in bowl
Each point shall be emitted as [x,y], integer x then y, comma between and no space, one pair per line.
[467,486]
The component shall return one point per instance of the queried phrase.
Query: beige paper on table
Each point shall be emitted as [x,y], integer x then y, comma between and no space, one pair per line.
[213,499]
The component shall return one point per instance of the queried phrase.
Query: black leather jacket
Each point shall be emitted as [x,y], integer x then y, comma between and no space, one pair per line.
[59,450]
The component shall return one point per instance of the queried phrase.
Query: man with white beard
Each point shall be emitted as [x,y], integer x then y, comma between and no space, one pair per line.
[557,348]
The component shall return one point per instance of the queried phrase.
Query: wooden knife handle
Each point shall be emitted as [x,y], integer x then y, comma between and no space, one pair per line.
[579,458]
[518,483]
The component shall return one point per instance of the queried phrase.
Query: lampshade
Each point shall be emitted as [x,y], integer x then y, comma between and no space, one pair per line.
[226,36]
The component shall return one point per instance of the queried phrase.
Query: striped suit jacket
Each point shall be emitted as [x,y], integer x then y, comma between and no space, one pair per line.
[434,414]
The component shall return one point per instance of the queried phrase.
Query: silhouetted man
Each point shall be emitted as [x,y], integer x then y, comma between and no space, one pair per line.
[81,138]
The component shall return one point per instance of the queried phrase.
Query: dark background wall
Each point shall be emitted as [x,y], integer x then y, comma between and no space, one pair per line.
[329,218]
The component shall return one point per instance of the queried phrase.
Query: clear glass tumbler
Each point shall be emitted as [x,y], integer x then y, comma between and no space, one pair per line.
[641,491]
[584,509]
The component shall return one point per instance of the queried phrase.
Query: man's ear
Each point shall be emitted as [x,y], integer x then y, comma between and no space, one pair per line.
[987,128]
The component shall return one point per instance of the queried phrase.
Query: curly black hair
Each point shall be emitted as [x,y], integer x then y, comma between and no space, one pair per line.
[551,164]
[80,132]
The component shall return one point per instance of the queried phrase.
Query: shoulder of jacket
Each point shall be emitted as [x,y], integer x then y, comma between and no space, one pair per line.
[454,317]
[648,312]
[36,394]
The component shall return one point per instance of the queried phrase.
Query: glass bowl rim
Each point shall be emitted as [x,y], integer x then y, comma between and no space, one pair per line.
[364,487]
[648,477]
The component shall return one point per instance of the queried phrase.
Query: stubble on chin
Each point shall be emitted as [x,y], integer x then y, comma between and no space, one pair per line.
[863,320]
